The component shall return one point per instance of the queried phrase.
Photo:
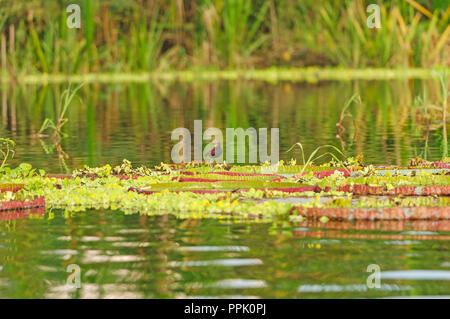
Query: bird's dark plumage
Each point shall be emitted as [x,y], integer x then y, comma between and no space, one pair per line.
[216,151]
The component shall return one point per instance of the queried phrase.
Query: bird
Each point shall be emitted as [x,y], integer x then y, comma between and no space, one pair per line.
[216,151]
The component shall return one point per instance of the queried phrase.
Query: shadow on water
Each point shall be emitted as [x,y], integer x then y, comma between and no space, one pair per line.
[134,121]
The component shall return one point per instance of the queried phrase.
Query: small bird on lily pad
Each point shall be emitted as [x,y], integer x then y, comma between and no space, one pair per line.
[216,151]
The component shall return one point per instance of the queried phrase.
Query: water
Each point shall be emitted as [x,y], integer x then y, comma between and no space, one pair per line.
[134,121]
[132,256]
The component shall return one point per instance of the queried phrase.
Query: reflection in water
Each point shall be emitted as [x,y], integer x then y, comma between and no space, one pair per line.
[420,297]
[413,232]
[135,120]
[132,256]
[129,256]
[24,213]
[411,227]
[416,274]
[213,248]
[352,288]
[231,262]
[239,284]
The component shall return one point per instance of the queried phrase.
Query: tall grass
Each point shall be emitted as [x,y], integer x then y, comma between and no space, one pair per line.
[146,41]
[233,32]
[406,38]
[139,35]
[445,93]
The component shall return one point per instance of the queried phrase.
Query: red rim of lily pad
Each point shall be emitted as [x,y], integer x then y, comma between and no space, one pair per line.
[24,213]
[360,189]
[378,225]
[391,213]
[21,204]
[216,191]
[11,187]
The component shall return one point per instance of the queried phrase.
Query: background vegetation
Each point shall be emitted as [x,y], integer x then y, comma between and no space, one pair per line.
[143,35]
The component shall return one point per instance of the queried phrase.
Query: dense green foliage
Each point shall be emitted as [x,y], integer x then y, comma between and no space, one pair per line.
[132,35]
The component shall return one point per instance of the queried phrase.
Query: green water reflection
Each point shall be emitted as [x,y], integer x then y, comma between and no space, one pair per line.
[161,256]
[131,256]
[134,121]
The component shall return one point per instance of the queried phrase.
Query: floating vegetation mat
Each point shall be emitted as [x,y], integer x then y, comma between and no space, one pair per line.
[332,191]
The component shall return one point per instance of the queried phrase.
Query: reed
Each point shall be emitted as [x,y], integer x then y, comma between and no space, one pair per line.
[7,150]
[137,35]
[66,98]
[445,93]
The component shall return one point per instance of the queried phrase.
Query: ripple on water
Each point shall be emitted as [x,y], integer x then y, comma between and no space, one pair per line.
[419,297]
[47,268]
[239,284]
[60,252]
[91,238]
[131,244]
[95,256]
[132,231]
[416,274]
[232,262]
[402,242]
[213,248]
[419,233]
[4,282]
[94,291]
[301,229]
[327,241]
[354,287]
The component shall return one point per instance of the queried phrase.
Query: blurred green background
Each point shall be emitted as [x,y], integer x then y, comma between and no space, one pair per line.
[139,35]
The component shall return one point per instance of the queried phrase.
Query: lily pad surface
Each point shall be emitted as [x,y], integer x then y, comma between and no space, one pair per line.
[293,192]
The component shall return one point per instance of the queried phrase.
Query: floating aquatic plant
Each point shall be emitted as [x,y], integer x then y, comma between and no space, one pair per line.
[126,168]
[225,194]
[66,99]
[312,157]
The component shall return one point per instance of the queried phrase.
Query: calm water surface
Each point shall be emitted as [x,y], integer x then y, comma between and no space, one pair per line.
[132,256]
[134,121]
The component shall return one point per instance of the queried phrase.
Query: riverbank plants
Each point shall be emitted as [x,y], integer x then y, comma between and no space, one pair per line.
[445,93]
[136,36]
